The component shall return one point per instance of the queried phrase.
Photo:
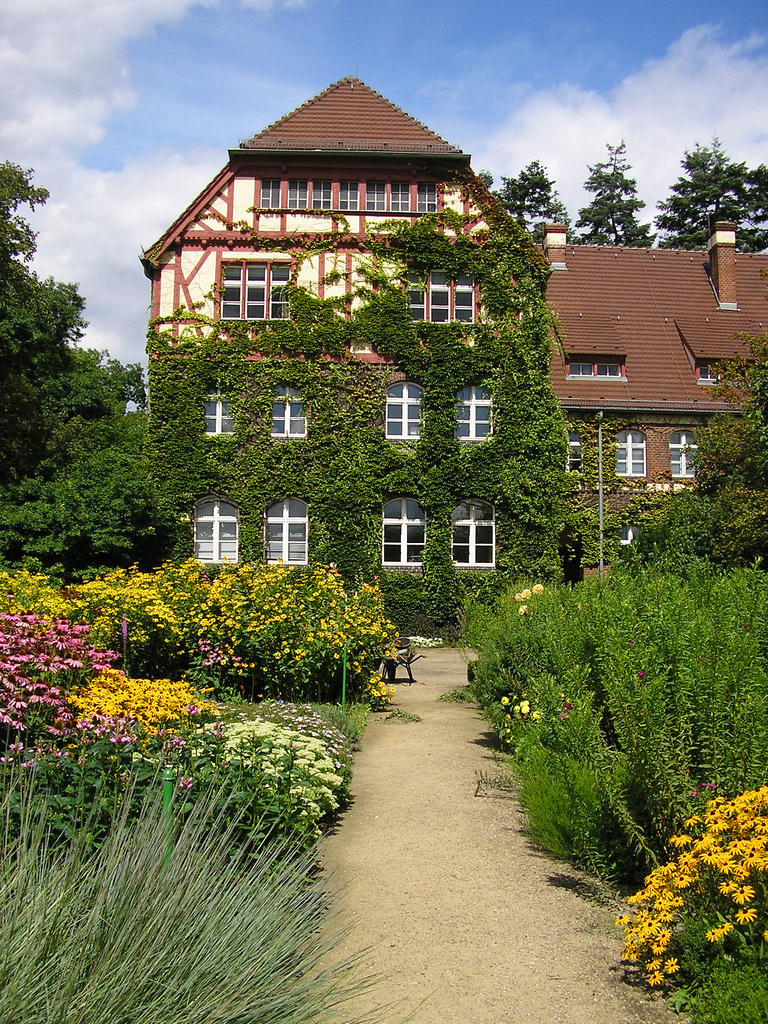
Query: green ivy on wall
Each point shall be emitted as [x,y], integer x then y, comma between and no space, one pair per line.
[345,468]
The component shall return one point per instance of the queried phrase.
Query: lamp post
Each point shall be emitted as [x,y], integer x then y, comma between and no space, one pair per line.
[600,484]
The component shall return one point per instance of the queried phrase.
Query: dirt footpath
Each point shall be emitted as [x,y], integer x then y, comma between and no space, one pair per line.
[468,920]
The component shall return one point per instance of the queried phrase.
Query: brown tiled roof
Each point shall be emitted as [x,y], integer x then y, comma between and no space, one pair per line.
[349,115]
[648,305]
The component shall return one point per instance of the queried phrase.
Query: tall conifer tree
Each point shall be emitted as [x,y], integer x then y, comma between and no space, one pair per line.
[611,217]
[713,188]
[532,198]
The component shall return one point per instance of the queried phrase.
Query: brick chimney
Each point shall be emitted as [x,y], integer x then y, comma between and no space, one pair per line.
[722,263]
[554,245]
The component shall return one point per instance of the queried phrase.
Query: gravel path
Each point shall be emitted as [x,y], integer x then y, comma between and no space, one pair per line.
[467,920]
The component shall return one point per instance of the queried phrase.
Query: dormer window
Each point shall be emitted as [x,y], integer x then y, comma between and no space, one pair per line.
[588,366]
[705,374]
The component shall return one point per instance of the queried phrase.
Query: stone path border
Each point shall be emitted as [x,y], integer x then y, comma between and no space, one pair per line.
[468,921]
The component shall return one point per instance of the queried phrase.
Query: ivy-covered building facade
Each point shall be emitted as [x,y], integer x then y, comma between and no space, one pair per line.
[357,357]
[349,362]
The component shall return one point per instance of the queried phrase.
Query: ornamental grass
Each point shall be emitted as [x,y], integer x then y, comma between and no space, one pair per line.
[164,924]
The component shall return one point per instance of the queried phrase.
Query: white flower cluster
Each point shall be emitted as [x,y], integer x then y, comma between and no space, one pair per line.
[282,752]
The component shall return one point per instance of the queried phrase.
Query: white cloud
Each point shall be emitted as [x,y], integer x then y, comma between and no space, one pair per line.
[95,228]
[701,87]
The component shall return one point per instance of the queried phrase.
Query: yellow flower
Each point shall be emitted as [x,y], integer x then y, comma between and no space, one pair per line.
[522,609]
[505,700]
[746,916]
[518,596]
[526,594]
[671,966]
[744,894]
[538,588]
[657,978]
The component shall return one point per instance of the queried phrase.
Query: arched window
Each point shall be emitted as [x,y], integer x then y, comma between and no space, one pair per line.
[403,411]
[682,448]
[288,416]
[218,418]
[574,452]
[215,531]
[473,414]
[630,453]
[285,533]
[473,533]
[404,532]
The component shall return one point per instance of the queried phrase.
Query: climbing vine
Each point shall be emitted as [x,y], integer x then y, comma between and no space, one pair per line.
[345,468]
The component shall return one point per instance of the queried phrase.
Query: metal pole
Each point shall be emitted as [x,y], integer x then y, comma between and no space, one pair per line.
[167,778]
[344,676]
[600,484]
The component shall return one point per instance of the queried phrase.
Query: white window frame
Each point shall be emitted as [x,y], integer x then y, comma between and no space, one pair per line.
[375,196]
[322,195]
[286,524]
[252,287]
[474,401]
[682,446]
[605,369]
[400,197]
[426,197]
[289,417]
[574,446]
[400,411]
[479,514]
[349,195]
[271,194]
[628,443]
[221,519]
[218,416]
[628,534]
[706,375]
[441,299]
[298,194]
[409,521]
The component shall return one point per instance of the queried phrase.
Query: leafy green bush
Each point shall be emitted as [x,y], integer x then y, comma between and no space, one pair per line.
[650,693]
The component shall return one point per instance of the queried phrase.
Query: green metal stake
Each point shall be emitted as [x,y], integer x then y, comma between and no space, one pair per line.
[344,677]
[167,799]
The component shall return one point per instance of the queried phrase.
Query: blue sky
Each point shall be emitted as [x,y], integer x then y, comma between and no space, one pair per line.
[125,110]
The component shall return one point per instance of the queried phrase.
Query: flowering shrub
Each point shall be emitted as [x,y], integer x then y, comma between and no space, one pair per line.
[39,661]
[378,694]
[155,703]
[716,880]
[274,630]
[314,784]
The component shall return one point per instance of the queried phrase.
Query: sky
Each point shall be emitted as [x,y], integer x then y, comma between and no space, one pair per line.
[126,108]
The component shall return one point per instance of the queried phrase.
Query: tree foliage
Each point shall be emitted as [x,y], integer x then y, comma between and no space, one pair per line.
[38,321]
[714,187]
[611,217]
[76,490]
[532,199]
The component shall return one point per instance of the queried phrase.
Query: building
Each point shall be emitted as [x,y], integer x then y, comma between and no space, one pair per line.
[351,362]
[639,334]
